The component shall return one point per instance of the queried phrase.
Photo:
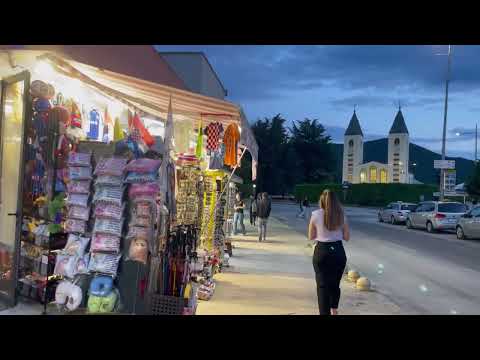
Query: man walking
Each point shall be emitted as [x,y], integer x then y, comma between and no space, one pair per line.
[253,210]
[238,215]
[264,207]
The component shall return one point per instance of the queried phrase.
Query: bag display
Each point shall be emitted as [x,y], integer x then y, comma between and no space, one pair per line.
[107,194]
[111,166]
[108,226]
[78,200]
[104,263]
[109,180]
[105,242]
[109,211]
[79,173]
[79,213]
[75,226]
[79,159]
[76,245]
[79,186]
[146,189]
[143,165]
[134,177]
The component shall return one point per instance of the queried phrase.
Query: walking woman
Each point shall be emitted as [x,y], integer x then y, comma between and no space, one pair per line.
[328,228]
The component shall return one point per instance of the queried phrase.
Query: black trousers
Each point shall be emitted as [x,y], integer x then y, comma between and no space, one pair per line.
[253,218]
[329,260]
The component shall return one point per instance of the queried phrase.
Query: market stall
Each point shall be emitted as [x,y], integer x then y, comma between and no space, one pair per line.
[122,206]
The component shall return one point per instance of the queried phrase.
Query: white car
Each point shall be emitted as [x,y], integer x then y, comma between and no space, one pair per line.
[395,212]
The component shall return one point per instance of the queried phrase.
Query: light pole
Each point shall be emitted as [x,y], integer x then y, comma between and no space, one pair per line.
[476,139]
[442,173]
[414,166]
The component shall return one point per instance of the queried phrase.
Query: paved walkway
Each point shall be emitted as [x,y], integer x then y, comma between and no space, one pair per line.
[276,278]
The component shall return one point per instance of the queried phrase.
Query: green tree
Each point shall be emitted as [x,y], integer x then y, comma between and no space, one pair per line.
[314,148]
[473,183]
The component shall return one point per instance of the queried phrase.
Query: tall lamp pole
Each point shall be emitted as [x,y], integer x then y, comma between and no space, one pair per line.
[442,173]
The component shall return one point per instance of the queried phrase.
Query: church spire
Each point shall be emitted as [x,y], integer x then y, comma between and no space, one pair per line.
[354,125]
[399,126]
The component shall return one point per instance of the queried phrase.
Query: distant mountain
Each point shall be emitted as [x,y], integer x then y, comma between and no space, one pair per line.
[377,150]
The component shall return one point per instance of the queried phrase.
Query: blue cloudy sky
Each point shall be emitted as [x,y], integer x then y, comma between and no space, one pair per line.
[324,82]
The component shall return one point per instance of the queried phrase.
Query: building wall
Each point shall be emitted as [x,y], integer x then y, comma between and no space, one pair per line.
[210,84]
[352,158]
[195,71]
[189,68]
[399,157]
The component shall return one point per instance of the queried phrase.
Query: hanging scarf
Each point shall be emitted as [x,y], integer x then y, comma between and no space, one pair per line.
[117,131]
[198,151]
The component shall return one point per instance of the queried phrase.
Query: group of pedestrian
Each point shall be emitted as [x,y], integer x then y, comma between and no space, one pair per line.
[260,208]
[328,228]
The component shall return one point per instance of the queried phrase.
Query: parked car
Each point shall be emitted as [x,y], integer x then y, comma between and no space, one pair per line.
[395,212]
[436,215]
[468,226]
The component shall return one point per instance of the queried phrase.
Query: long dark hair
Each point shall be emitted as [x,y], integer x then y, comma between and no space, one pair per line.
[333,217]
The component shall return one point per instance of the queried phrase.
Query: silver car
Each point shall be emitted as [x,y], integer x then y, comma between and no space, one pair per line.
[395,212]
[468,226]
[436,216]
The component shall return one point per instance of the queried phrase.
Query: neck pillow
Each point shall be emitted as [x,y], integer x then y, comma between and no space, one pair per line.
[69,295]
[101,286]
[102,304]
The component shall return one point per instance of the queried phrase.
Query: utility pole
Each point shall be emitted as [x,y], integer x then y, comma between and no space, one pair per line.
[442,173]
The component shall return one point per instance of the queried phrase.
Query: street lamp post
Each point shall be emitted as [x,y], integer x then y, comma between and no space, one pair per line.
[442,173]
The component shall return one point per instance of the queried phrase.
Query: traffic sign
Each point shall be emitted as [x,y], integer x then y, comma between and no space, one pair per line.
[450,181]
[444,164]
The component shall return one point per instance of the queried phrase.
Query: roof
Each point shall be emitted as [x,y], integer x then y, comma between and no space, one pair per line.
[139,61]
[196,53]
[399,126]
[354,126]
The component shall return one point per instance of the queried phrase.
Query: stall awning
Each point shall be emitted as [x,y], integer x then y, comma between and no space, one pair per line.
[154,98]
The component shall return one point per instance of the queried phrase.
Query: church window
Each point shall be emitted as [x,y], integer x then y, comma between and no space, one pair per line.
[383,176]
[363,176]
[397,141]
[373,174]
[350,143]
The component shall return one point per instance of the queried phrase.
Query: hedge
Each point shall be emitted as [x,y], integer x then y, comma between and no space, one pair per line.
[368,194]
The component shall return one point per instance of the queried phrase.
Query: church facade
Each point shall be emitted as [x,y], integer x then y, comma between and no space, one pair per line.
[355,171]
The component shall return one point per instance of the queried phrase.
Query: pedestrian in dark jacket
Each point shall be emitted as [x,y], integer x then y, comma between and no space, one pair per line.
[264,208]
[253,210]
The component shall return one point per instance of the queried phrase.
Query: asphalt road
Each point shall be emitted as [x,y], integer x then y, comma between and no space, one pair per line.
[422,273]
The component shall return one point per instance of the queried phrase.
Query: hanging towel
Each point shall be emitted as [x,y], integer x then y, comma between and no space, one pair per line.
[117,131]
[198,151]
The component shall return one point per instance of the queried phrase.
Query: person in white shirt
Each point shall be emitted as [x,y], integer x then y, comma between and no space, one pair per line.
[328,228]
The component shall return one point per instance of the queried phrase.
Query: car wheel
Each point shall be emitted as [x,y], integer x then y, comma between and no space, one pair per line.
[409,224]
[460,233]
[430,228]
[392,220]
[380,218]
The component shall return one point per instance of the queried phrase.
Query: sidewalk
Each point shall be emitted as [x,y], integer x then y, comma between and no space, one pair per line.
[276,278]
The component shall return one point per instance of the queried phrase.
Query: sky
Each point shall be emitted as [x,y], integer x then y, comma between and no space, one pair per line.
[325,82]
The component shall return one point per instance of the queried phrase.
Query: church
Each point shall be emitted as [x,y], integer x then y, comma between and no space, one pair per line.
[395,171]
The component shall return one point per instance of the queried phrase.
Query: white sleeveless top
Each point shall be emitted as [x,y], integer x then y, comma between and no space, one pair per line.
[323,234]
